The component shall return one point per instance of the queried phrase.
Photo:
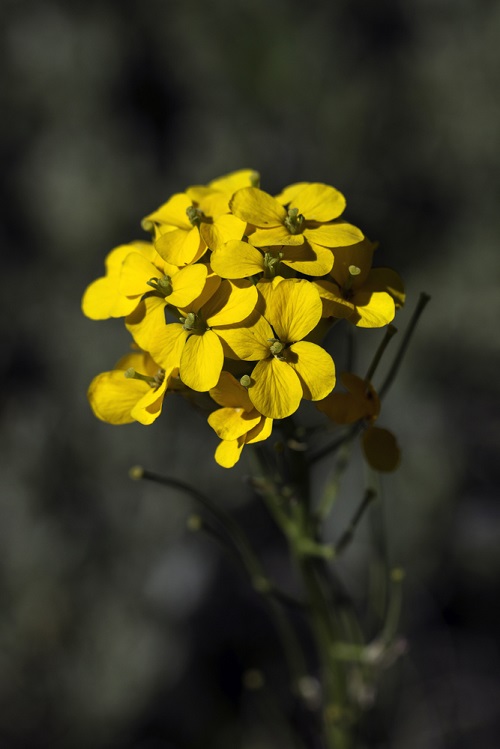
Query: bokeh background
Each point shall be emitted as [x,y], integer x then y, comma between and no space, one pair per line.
[119,629]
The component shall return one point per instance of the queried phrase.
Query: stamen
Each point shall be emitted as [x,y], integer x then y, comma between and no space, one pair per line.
[153,381]
[195,215]
[190,321]
[294,222]
[276,347]
[272,262]
[246,381]
[162,285]
[194,323]
[353,272]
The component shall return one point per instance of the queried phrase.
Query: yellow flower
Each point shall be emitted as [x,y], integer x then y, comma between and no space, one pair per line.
[103,298]
[189,223]
[237,259]
[178,286]
[363,295]
[237,423]
[193,345]
[311,215]
[132,391]
[361,403]
[289,368]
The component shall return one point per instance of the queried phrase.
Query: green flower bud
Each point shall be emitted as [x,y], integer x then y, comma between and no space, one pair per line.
[194,215]
[294,222]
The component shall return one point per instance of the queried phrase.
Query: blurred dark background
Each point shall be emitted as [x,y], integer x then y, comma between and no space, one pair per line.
[118,628]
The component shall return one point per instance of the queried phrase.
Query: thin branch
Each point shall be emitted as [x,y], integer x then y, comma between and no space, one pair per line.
[389,333]
[348,534]
[421,304]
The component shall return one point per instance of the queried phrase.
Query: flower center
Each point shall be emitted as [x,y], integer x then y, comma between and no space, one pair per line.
[294,221]
[276,348]
[194,323]
[162,285]
[195,215]
[271,263]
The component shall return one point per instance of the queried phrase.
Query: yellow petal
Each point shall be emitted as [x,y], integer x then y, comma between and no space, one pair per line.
[363,391]
[173,212]
[180,247]
[257,207]
[381,449]
[260,432]
[135,273]
[232,302]
[288,194]
[229,183]
[229,393]
[102,300]
[310,260]
[314,367]
[223,229]
[275,235]
[112,396]
[116,257]
[211,202]
[265,287]
[249,341]
[360,255]
[150,331]
[228,452]
[386,279]
[139,360]
[338,234]
[146,321]
[201,361]
[334,305]
[294,308]
[276,390]
[231,423]
[150,405]
[237,260]
[342,408]
[318,202]
[212,283]
[373,310]
[188,284]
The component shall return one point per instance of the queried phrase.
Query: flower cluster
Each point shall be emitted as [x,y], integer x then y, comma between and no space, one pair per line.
[232,296]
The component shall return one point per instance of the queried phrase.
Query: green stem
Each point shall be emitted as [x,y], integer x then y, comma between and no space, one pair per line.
[335,702]
[331,490]
[389,333]
[421,304]
[300,529]
[348,534]
[260,582]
